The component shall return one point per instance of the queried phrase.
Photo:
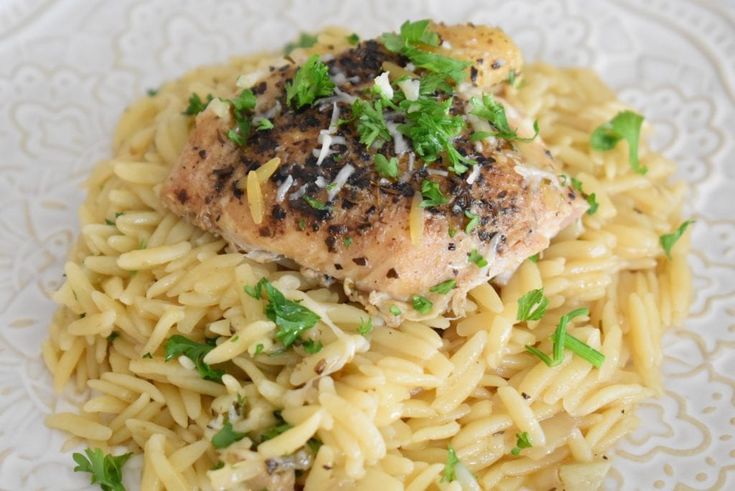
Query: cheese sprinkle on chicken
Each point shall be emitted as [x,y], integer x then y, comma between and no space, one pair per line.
[363,137]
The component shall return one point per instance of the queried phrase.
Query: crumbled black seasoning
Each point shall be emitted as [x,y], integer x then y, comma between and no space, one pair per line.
[360,261]
[473,74]
[182,195]
[221,177]
[392,273]
[202,154]
[278,213]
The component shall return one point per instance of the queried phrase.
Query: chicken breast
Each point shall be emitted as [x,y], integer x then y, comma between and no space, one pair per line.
[328,210]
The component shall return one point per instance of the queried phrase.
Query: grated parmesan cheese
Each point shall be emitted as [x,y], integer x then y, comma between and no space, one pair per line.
[535,176]
[410,88]
[340,180]
[249,79]
[437,172]
[283,189]
[474,174]
[220,108]
[382,83]
[399,143]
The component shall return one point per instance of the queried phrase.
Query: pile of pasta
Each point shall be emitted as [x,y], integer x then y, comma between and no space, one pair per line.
[374,408]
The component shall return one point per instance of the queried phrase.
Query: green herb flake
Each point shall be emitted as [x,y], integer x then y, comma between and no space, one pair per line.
[591,198]
[274,431]
[432,194]
[395,310]
[259,349]
[311,346]
[264,125]
[242,105]
[179,345]
[523,440]
[315,203]
[562,340]
[450,474]
[532,306]
[148,355]
[421,304]
[444,287]
[386,167]
[366,326]
[196,105]
[151,92]
[347,242]
[302,224]
[475,257]
[371,126]
[626,125]
[668,240]
[109,222]
[474,220]
[305,40]
[309,84]
[291,318]
[534,258]
[218,465]
[353,39]
[226,436]
[113,336]
[493,112]
[106,469]
[314,444]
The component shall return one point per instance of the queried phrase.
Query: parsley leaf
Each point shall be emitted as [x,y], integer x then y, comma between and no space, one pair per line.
[432,130]
[311,346]
[411,34]
[532,306]
[625,125]
[347,242]
[668,240]
[591,198]
[421,304]
[179,345]
[371,127]
[196,105]
[265,124]
[366,326]
[432,194]
[291,318]
[106,470]
[305,40]
[274,431]
[534,258]
[444,287]
[476,257]
[315,203]
[226,436]
[395,310]
[444,66]
[309,84]
[522,441]
[353,39]
[449,474]
[385,167]
[242,105]
[493,112]
[474,220]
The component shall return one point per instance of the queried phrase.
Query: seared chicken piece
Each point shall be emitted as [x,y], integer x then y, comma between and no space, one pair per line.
[362,236]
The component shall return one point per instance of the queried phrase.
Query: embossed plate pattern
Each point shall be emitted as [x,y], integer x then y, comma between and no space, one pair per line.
[67,70]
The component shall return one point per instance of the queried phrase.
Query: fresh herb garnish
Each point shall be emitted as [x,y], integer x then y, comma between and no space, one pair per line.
[421,304]
[347,242]
[474,220]
[366,326]
[179,345]
[109,222]
[274,431]
[493,112]
[264,124]
[242,105]
[668,240]
[532,306]
[305,40]
[395,310]
[106,470]
[626,125]
[591,198]
[353,39]
[226,436]
[534,258]
[291,318]
[432,194]
[315,203]
[311,346]
[113,336]
[562,340]
[476,257]
[309,84]
[385,167]
[196,105]
[523,440]
[371,127]
[151,92]
[444,287]
[513,79]
[449,474]
[259,348]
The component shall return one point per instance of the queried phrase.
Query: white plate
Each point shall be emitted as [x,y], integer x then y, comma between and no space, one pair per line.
[67,70]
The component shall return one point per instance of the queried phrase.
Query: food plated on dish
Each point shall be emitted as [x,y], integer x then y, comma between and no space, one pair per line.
[408,262]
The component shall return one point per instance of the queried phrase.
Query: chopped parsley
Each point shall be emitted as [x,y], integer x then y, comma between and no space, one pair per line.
[668,240]
[151,92]
[315,203]
[226,436]
[626,125]
[421,304]
[444,287]
[265,124]
[432,130]
[196,105]
[493,112]
[291,318]
[311,346]
[347,242]
[109,222]
[513,79]
[532,306]
[395,310]
[305,40]
[366,326]
[534,258]
[385,167]
[179,345]
[449,474]
[242,105]
[371,127]
[353,39]
[274,431]
[562,340]
[522,441]
[476,257]
[106,469]
[432,194]
[591,198]
[113,336]
[309,84]
[411,35]
[259,348]
[474,220]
